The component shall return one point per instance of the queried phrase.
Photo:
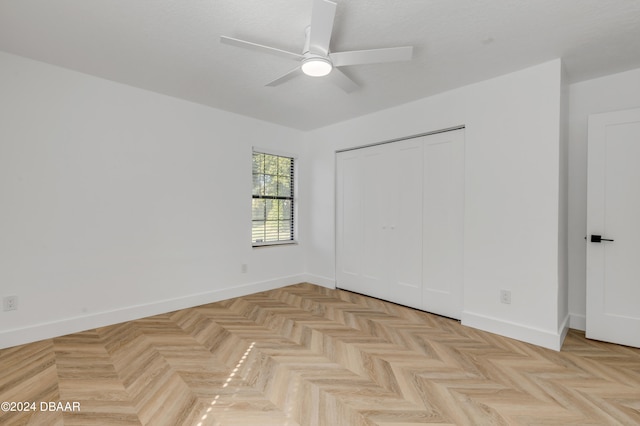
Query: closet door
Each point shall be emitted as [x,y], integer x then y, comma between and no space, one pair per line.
[362,218]
[404,200]
[349,223]
[379,221]
[443,223]
[375,221]
[400,222]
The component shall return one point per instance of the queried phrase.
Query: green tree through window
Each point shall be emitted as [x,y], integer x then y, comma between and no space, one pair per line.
[272,199]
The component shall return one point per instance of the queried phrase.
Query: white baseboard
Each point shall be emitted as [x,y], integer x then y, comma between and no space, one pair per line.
[536,336]
[563,330]
[33,333]
[578,322]
[321,281]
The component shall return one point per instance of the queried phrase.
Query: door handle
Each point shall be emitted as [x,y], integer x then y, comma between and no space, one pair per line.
[598,239]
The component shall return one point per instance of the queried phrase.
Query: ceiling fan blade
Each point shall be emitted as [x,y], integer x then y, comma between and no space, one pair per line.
[322,15]
[341,80]
[288,76]
[260,48]
[373,56]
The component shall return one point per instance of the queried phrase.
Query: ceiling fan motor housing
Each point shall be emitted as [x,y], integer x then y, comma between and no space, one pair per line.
[316,65]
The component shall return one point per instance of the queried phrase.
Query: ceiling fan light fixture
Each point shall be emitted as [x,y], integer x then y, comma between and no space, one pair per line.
[316,67]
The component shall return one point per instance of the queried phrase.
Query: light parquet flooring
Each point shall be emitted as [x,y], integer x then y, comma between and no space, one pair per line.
[307,355]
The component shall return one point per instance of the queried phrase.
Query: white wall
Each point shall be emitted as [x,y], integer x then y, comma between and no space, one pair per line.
[110,197]
[512,194]
[116,203]
[563,208]
[611,93]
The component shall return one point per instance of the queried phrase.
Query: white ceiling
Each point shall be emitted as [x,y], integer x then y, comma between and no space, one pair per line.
[173,47]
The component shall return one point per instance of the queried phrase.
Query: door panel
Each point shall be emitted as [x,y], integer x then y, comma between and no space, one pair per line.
[349,222]
[405,226]
[443,223]
[374,221]
[622,219]
[613,211]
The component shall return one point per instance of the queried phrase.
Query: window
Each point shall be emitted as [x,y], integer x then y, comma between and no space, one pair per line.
[272,199]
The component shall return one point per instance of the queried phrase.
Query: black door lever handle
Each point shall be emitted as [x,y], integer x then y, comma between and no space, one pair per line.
[598,238]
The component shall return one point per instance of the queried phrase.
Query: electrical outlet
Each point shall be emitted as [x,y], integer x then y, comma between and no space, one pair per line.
[244,268]
[505,297]
[10,303]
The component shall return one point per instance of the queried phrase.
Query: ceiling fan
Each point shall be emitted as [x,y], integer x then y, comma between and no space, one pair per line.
[316,60]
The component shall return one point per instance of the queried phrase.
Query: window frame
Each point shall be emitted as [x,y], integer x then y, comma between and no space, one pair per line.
[294,198]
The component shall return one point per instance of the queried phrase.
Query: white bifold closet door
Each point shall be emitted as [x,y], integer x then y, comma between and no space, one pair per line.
[399,223]
[443,224]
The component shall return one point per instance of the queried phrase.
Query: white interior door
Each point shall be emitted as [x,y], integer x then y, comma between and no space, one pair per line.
[349,224]
[404,199]
[613,213]
[361,218]
[443,223]
[375,270]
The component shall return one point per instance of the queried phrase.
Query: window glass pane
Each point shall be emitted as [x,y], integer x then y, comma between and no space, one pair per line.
[284,207]
[284,230]
[271,231]
[258,162]
[258,184]
[284,166]
[270,185]
[284,186]
[257,232]
[271,209]
[271,164]
[258,209]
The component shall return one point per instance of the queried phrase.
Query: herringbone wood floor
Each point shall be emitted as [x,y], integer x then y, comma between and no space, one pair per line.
[307,355]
